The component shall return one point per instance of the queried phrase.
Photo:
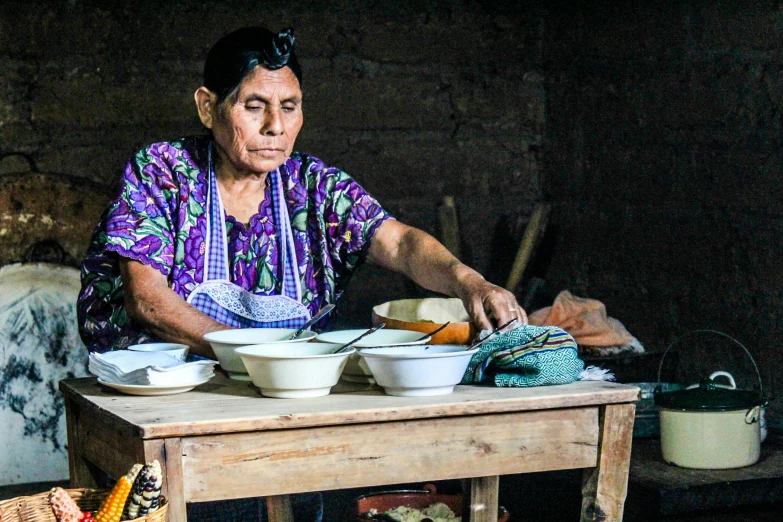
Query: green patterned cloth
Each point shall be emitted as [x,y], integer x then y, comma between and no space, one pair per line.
[526,356]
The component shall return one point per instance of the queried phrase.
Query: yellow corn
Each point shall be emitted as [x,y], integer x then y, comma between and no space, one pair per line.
[111,508]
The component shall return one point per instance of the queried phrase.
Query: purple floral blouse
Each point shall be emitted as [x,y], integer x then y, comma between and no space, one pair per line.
[158,218]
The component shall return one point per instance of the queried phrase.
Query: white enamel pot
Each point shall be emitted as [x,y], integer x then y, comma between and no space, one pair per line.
[711,426]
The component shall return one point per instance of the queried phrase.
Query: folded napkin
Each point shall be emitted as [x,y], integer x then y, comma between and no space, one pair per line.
[148,368]
[526,356]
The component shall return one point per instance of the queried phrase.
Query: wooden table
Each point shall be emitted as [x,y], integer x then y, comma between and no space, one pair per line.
[223,440]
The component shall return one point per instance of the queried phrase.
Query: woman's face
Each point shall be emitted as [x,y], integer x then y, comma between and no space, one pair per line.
[255,130]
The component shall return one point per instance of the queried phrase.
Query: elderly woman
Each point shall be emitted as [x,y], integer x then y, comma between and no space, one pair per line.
[235,229]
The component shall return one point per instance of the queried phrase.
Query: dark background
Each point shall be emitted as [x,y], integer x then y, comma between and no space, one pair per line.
[653,128]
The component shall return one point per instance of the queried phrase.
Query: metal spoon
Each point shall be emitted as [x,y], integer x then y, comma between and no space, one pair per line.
[493,333]
[325,310]
[368,332]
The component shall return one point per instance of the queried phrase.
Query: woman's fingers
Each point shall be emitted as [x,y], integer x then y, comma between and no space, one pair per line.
[478,315]
[487,304]
[503,306]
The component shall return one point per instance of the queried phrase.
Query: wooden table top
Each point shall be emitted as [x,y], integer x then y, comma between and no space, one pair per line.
[228,406]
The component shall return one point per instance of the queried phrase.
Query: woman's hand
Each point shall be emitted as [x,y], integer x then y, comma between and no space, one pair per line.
[421,257]
[485,302]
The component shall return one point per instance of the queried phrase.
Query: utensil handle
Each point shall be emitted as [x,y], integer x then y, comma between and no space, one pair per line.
[493,333]
[368,332]
[325,310]
[433,332]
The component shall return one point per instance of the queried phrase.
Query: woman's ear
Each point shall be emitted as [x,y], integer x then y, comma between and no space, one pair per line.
[206,102]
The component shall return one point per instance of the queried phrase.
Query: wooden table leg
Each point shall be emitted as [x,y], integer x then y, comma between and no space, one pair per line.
[174,480]
[79,468]
[168,453]
[279,509]
[480,499]
[605,486]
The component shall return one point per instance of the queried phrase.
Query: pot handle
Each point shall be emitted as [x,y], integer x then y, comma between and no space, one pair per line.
[753,415]
[716,332]
[732,383]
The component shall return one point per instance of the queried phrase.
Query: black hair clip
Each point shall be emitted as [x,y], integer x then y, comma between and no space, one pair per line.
[284,41]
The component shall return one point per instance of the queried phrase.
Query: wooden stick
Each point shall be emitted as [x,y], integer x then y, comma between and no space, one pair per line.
[279,508]
[480,499]
[449,226]
[533,232]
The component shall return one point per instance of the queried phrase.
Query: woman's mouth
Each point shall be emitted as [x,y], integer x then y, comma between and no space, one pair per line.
[267,151]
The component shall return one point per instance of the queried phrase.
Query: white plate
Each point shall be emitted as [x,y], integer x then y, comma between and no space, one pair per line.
[139,389]
[379,338]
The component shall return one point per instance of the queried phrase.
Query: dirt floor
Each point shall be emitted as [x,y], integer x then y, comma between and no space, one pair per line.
[539,497]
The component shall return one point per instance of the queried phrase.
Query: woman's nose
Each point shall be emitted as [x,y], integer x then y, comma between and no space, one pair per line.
[273,122]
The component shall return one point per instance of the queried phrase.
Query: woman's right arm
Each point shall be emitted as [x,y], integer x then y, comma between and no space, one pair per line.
[150,302]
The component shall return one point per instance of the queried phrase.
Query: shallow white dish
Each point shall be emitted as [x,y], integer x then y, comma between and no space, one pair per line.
[224,342]
[176,350]
[294,371]
[138,389]
[418,371]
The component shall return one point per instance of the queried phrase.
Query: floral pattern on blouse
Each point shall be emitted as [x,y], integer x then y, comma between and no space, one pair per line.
[159,219]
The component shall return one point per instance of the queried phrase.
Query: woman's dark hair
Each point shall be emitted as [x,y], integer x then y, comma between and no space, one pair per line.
[236,54]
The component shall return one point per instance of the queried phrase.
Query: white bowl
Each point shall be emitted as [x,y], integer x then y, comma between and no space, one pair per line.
[294,371]
[379,338]
[356,370]
[224,342]
[417,371]
[176,350]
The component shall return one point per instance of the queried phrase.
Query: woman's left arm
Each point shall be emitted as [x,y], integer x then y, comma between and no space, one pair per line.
[421,257]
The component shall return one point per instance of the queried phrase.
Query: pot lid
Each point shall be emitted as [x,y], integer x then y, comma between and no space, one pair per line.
[709,397]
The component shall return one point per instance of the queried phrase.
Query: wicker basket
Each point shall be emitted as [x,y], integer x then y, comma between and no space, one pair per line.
[36,508]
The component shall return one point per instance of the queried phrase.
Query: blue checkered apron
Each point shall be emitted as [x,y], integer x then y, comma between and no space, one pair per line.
[231,304]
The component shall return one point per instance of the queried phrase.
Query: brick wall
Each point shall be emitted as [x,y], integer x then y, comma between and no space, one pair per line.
[416,99]
[654,128]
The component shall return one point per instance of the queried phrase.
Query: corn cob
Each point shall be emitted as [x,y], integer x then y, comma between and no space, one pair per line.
[145,494]
[111,508]
[63,506]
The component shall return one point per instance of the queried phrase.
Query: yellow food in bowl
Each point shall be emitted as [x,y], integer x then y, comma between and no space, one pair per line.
[425,315]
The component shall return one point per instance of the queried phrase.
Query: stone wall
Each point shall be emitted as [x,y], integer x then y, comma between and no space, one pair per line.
[416,99]
[664,159]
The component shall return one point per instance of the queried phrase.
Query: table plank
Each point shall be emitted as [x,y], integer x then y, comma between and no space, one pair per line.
[228,406]
[279,462]
[93,442]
